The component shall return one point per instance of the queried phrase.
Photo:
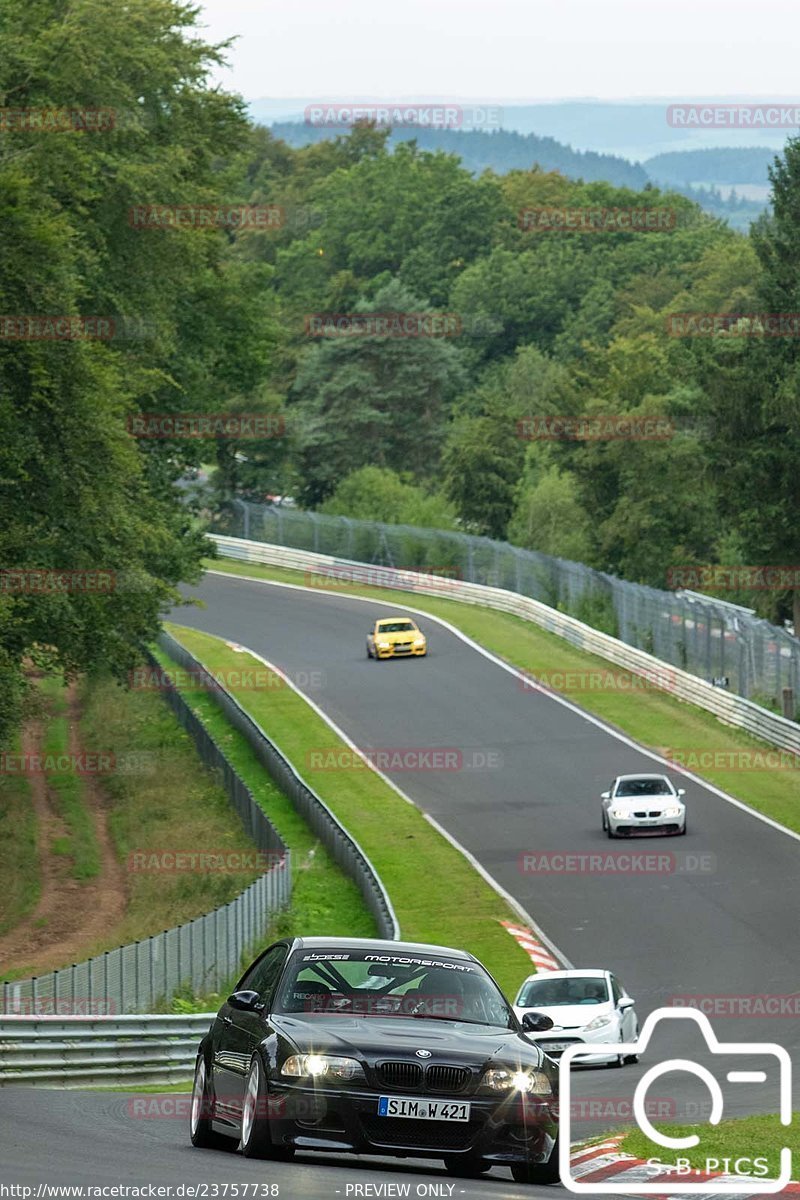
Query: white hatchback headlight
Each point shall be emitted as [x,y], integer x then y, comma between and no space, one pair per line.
[598,1023]
[322,1066]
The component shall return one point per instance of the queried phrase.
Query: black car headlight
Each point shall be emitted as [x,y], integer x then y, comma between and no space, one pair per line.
[324,1066]
[510,1079]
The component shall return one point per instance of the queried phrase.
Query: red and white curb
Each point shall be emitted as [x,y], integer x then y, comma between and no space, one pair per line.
[539,955]
[604,1162]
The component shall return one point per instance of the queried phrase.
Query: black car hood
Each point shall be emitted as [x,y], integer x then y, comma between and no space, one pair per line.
[374,1038]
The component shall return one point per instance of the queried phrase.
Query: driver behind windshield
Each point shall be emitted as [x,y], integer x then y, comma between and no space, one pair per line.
[452,991]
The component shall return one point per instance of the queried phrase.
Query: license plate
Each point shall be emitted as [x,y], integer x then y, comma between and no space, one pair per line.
[546,1046]
[649,821]
[422,1110]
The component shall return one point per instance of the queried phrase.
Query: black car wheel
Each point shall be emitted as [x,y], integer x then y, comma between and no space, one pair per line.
[200,1130]
[466,1168]
[542,1173]
[256,1135]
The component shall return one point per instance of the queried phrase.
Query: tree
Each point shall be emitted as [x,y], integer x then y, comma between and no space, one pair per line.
[373,398]
[550,518]
[378,494]
[77,493]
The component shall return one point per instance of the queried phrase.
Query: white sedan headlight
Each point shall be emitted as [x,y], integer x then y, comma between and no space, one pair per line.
[619,813]
[506,1079]
[598,1023]
[322,1066]
[672,812]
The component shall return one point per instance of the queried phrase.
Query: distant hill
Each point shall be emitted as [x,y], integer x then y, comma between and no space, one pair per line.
[501,150]
[633,129]
[719,165]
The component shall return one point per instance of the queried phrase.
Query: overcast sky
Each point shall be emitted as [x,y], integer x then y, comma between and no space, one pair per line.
[508,49]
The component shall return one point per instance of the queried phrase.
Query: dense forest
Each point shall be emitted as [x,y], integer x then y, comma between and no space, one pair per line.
[502,150]
[512,323]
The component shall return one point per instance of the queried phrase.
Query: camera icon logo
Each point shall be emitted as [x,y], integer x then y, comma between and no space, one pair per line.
[749,1185]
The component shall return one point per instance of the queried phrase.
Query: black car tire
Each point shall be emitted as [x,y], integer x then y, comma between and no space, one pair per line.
[541,1173]
[466,1168]
[256,1134]
[200,1131]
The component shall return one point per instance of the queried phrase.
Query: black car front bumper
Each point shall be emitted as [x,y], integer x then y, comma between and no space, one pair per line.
[498,1131]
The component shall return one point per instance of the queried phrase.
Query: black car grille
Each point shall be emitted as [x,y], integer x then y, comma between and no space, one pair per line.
[400,1074]
[420,1135]
[648,814]
[446,1079]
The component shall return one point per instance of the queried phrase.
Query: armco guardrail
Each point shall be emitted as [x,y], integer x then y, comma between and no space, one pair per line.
[696,633]
[85,1051]
[202,954]
[340,844]
[730,708]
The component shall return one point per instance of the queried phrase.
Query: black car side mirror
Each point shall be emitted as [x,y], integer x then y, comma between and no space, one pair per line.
[246,1001]
[536,1022]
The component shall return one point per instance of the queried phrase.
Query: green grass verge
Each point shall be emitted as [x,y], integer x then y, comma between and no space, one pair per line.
[19,860]
[68,790]
[653,718]
[324,899]
[761,1136]
[162,799]
[437,895]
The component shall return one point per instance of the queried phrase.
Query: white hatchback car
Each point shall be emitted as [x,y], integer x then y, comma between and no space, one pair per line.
[585,1006]
[643,804]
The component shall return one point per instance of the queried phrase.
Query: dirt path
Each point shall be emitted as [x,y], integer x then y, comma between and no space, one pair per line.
[70,917]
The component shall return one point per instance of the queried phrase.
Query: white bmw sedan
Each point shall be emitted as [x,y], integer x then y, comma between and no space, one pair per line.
[585,1006]
[643,804]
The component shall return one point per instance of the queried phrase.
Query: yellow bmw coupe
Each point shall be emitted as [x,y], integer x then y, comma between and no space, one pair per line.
[396,637]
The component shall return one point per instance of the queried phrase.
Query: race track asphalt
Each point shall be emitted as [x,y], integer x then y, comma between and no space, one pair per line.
[728,930]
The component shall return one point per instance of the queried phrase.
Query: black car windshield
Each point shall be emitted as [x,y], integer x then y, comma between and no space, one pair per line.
[549,993]
[396,627]
[643,787]
[347,983]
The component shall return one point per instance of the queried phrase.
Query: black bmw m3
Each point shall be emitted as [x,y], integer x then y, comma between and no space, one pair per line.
[377,1047]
